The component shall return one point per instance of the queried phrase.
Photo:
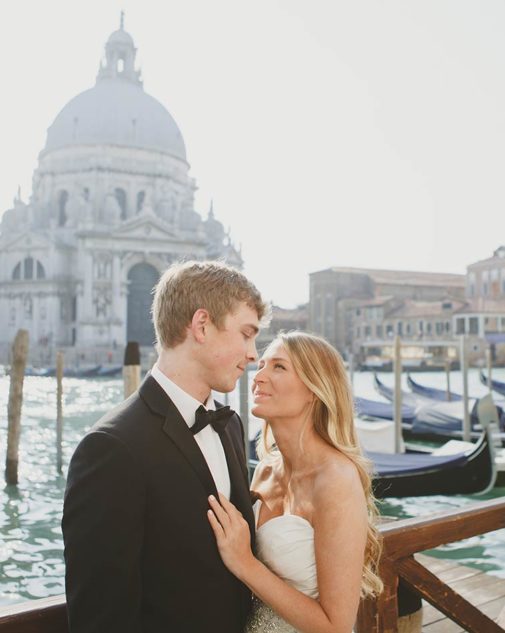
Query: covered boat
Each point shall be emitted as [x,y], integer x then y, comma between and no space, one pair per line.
[496,385]
[418,474]
[432,393]
[439,420]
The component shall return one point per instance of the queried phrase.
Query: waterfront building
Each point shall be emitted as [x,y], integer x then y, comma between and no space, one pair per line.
[338,296]
[282,320]
[112,206]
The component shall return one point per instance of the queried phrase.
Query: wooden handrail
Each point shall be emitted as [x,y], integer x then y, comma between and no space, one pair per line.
[401,540]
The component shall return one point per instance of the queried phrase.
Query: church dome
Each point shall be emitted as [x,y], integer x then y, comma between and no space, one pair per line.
[117,111]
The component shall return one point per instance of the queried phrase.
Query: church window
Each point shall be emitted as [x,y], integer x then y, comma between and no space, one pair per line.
[43,312]
[85,193]
[16,274]
[28,307]
[29,268]
[120,65]
[121,199]
[62,207]
[40,271]
[12,315]
[140,200]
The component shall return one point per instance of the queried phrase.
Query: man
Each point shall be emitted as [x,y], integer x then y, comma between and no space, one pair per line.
[140,553]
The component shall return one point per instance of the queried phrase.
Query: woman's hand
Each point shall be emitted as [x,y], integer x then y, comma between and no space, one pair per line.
[232,536]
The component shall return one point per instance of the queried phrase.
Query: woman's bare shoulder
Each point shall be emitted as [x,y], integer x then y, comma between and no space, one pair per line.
[336,480]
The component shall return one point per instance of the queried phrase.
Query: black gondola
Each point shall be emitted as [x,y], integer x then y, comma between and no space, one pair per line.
[496,385]
[415,475]
[431,392]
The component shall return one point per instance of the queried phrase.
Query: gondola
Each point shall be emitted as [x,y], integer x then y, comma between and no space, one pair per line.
[108,371]
[439,420]
[496,385]
[374,410]
[432,393]
[420,474]
[415,475]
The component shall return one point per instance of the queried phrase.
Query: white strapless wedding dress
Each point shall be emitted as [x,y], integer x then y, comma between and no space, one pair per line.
[285,544]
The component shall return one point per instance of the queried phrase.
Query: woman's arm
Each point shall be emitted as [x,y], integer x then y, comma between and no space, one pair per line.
[340,524]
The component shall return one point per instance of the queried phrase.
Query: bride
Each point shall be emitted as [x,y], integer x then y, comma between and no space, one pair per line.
[317,545]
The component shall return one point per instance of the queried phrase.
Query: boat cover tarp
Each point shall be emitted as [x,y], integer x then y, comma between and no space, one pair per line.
[382,410]
[409,463]
[431,392]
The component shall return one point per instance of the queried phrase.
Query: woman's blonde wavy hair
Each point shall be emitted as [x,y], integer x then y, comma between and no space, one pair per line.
[320,367]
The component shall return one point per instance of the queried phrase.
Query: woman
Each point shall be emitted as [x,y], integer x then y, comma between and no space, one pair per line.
[317,546]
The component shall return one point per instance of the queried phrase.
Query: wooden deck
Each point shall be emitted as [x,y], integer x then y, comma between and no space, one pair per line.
[481,589]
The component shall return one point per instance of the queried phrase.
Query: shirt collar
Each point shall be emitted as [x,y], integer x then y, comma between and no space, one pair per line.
[186,404]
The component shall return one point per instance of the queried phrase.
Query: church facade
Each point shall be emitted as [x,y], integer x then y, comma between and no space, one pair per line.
[112,206]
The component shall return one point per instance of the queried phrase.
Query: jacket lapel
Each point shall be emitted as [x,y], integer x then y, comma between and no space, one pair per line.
[177,430]
[240,495]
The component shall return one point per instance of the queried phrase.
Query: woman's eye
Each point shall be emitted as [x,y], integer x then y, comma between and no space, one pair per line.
[279,365]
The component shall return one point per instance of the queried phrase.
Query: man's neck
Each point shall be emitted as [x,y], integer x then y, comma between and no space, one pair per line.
[184,373]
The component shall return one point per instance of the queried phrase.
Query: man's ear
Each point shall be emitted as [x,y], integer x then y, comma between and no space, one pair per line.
[199,324]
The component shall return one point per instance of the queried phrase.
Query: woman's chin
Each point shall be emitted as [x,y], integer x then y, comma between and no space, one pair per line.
[257,410]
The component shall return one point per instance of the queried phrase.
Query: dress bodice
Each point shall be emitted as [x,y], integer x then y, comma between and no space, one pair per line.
[285,544]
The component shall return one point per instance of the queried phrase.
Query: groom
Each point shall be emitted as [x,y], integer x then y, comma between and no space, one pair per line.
[139,550]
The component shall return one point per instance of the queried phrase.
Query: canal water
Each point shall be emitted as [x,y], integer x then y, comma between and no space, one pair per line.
[31,560]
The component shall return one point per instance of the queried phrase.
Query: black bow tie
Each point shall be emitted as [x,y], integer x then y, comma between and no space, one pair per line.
[218,419]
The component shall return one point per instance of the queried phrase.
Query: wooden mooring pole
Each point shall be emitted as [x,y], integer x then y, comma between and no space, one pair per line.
[397,364]
[463,361]
[448,379]
[131,368]
[489,363]
[59,412]
[19,356]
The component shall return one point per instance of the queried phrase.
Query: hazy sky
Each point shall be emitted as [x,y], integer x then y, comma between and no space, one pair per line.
[328,133]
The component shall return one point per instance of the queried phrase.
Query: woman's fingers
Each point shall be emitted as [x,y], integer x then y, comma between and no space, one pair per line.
[216,526]
[219,511]
[228,505]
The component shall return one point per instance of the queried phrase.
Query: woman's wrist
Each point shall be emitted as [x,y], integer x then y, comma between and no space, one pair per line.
[248,570]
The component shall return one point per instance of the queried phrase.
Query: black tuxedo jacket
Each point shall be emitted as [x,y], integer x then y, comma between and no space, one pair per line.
[140,553]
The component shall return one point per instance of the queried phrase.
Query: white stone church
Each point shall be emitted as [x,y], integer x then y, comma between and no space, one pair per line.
[112,206]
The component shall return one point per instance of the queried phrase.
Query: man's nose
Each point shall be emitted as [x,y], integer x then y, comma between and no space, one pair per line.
[252,353]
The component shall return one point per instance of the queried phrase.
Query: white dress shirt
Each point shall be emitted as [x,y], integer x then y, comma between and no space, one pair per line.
[207,439]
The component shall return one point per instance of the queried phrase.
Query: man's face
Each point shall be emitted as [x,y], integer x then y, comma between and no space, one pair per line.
[227,352]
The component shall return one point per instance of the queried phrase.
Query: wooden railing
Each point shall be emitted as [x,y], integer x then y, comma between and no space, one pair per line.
[402,539]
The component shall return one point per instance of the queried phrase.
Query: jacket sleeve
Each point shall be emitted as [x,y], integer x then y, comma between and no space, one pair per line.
[102,525]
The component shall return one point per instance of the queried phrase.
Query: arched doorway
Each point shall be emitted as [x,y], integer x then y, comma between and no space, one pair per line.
[141,280]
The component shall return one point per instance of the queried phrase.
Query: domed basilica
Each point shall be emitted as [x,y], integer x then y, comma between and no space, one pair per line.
[112,206]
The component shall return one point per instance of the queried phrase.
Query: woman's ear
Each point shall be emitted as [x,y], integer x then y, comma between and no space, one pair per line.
[199,324]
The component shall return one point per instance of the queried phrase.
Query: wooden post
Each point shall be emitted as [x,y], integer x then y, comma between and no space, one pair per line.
[59,411]
[397,364]
[131,368]
[464,369]
[351,368]
[448,379]
[19,356]
[244,408]
[489,362]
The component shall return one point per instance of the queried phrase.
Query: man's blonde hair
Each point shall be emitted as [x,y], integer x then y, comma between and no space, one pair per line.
[186,287]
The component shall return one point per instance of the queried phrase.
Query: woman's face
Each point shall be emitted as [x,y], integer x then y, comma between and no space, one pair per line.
[277,390]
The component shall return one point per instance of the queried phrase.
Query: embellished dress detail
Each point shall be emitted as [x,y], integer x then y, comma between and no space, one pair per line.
[285,544]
